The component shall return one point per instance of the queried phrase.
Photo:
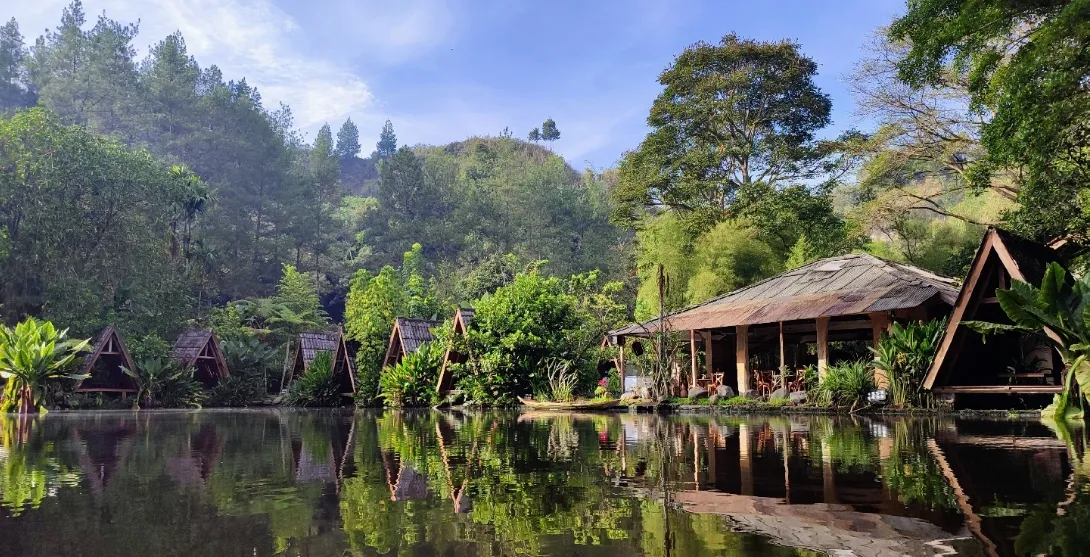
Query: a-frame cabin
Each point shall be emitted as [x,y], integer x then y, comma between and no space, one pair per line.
[462,319]
[967,363]
[103,366]
[308,347]
[201,350]
[407,336]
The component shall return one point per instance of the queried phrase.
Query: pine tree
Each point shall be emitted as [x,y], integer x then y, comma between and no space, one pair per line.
[348,140]
[549,132]
[387,142]
[534,135]
[13,91]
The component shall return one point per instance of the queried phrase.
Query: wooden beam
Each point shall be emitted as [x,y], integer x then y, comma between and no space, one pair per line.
[741,358]
[1000,389]
[822,346]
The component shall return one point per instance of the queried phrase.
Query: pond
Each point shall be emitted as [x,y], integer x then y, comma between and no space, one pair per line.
[281,482]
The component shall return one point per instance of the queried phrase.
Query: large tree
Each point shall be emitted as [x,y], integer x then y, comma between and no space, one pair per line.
[13,87]
[730,115]
[1026,62]
[387,142]
[348,140]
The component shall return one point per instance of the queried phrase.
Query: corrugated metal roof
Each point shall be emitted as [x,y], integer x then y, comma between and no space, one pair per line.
[414,332]
[845,285]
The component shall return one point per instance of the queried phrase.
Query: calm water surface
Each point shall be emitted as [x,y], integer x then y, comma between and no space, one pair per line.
[278,482]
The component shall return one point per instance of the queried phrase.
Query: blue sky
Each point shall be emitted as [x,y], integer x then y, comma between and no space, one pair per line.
[443,70]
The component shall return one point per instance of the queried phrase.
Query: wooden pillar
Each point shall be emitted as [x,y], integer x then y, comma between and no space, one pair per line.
[741,358]
[692,351]
[708,355]
[620,360]
[783,361]
[879,323]
[822,347]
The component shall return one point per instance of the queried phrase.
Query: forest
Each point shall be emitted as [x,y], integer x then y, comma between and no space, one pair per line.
[159,194]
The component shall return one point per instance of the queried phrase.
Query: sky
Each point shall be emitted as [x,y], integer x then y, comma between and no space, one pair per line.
[444,70]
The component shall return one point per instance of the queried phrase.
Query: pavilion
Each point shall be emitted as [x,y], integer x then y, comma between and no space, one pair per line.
[770,325]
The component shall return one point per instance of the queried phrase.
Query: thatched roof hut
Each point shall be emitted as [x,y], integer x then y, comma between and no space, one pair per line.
[964,364]
[310,344]
[103,365]
[407,336]
[462,319]
[201,350]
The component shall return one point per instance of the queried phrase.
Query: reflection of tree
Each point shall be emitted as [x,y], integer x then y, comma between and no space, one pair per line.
[911,471]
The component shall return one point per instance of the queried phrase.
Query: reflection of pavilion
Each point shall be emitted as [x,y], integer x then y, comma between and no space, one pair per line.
[776,480]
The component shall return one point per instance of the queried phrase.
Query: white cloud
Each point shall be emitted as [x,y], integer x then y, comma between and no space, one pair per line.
[245,38]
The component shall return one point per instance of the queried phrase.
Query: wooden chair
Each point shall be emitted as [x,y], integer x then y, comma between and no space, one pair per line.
[764,382]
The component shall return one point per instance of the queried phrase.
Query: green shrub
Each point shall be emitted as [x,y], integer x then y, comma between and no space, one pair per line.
[148,347]
[317,387]
[252,366]
[412,381]
[164,383]
[614,384]
[904,354]
[845,384]
[483,381]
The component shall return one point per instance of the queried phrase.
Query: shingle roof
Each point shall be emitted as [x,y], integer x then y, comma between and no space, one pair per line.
[845,285]
[189,345]
[414,332]
[466,315]
[100,345]
[313,343]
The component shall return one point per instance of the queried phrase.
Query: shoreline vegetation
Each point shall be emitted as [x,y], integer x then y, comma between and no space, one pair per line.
[158,199]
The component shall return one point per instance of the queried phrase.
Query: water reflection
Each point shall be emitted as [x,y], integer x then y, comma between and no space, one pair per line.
[277,482]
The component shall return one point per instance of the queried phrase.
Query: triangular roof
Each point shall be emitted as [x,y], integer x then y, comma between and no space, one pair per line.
[333,341]
[194,345]
[852,284]
[462,320]
[407,336]
[1022,260]
[109,337]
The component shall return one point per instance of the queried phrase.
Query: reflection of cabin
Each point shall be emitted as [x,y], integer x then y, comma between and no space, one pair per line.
[201,350]
[1011,363]
[103,366]
[102,449]
[995,468]
[197,458]
[770,324]
[404,481]
[308,347]
[462,320]
[326,454]
[406,338]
